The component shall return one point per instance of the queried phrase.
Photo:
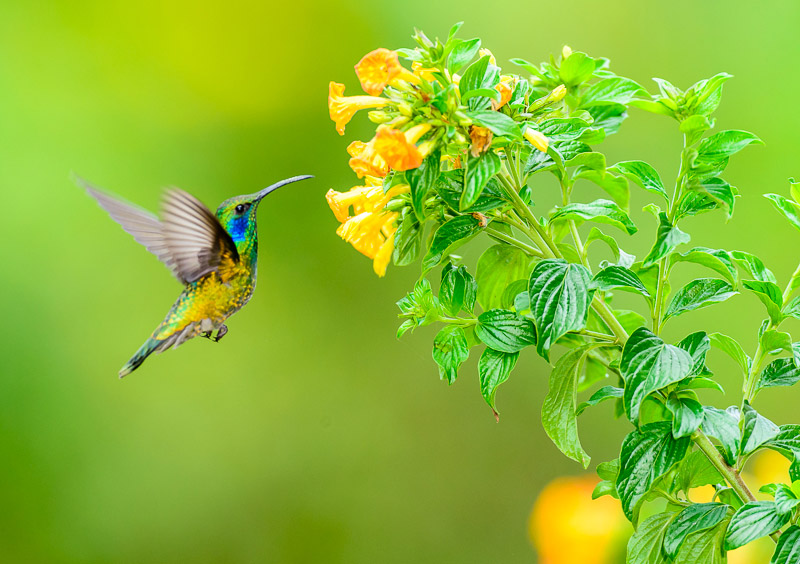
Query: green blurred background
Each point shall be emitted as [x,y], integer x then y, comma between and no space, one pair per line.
[310,434]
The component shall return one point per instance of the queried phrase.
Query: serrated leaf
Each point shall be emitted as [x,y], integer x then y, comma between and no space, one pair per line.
[559,417]
[619,277]
[477,173]
[421,181]
[687,415]
[647,454]
[407,239]
[756,430]
[648,364]
[457,290]
[723,426]
[642,174]
[788,549]
[704,546]
[450,350]
[498,123]
[717,260]
[752,521]
[697,294]
[697,517]
[697,344]
[667,239]
[505,331]
[560,295]
[644,546]
[780,372]
[494,367]
[448,237]
[600,211]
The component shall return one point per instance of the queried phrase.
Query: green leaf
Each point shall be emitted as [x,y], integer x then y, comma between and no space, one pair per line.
[787,441]
[615,186]
[407,239]
[699,293]
[697,345]
[687,415]
[642,174]
[648,364]
[619,277]
[647,454]
[592,161]
[792,309]
[559,416]
[611,90]
[505,331]
[462,53]
[717,260]
[667,239]
[576,68]
[770,295]
[600,211]
[644,546]
[774,342]
[450,350]
[785,499]
[697,517]
[788,549]
[560,295]
[695,471]
[479,74]
[477,172]
[753,266]
[450,186]
[448,237]
[419,306]
[757,430]
[596,235]
[494,368]
[723,425]
[726,143]
[499,266]
[752,521]
[704,546]
[420,182]
[788,208]
[780,372]
[604,393]
[498,123]
[733,349]
[457,290]
[719,191]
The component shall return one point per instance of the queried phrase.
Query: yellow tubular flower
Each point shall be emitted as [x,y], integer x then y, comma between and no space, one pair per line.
[379,68]
[399,149]
[340,202]
[425,74]
[365,161]
[558,93]
[343,108]
[537,139]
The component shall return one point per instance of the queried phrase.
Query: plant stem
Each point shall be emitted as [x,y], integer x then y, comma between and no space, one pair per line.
[730,474]
[512,241]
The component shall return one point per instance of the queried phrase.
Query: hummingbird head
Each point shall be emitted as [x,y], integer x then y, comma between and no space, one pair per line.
[238,214]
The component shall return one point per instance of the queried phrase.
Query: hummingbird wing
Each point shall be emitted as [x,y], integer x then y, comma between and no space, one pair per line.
[194,237]
[143,225]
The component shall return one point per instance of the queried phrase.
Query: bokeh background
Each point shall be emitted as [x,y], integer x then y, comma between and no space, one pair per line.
[310,434]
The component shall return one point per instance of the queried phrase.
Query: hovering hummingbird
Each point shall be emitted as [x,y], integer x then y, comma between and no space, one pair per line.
[213,255]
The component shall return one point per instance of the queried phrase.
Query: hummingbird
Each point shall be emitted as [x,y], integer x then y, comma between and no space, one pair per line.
[212,254]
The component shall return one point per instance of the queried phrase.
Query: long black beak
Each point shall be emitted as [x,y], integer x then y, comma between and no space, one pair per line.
[277,185]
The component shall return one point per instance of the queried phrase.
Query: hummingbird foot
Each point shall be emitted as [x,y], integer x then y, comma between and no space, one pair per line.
[223,330]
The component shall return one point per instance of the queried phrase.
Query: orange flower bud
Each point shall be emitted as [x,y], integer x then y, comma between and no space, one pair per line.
[399,149]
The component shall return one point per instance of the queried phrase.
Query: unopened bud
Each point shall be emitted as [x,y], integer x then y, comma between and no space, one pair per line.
[566,51]
[378,117]
[537,139]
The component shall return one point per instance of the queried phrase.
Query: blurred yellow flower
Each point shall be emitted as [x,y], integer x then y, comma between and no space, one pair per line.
[365,160]
[505,89]
[486,53]
[568,527]
[371,229]
[379,68]
[425,74]
[343,108]
[558,93]
[399,148]
[537,139]
[480,140]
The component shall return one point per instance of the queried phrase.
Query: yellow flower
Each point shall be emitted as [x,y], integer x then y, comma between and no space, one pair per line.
[379,68]
[537,139]
[485,52]
[568,527]
[371,230]
[424,73]
[505,89]
[343,108]
[558,93]
[481,139]
[366,161]
[399,148]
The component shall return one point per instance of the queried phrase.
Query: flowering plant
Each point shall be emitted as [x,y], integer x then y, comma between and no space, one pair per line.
[461,151]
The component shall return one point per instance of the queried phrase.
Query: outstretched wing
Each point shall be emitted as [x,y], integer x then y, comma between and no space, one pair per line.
[196,240]
[189,241]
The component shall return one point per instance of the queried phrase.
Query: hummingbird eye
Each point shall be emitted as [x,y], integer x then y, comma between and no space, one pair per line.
[241,208]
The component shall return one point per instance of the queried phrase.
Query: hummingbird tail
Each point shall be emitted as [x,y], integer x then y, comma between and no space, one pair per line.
[149,347]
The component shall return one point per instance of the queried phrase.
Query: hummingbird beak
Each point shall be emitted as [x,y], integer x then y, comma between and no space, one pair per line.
[260,195]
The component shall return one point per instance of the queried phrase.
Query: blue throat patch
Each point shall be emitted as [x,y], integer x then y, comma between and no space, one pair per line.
[237,229]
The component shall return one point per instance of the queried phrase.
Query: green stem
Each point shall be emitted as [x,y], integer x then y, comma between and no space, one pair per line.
[512,241]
